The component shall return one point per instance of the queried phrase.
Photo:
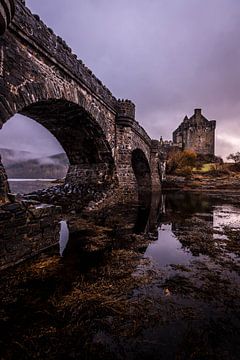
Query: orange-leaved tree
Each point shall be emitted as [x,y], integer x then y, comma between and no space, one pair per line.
[181,162]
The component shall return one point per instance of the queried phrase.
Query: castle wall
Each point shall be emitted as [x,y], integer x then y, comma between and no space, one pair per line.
[196,133]
[201,139]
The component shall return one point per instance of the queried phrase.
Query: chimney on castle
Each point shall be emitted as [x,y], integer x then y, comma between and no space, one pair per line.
[197,112]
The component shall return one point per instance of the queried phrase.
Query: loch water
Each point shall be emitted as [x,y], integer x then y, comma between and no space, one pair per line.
[25,186]
[172,292]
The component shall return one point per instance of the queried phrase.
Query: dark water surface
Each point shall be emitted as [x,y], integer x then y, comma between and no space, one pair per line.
[171,293]
[168,249]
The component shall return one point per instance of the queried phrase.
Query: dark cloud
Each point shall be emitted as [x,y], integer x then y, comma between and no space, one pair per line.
[167,56]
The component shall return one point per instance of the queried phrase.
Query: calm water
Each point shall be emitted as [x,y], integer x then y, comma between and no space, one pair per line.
[167,314]
[175,210]
[63,236]
[167,249]
[25,186]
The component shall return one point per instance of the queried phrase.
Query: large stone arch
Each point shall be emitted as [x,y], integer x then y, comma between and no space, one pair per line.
[39,71]
[19,98]
[81,136]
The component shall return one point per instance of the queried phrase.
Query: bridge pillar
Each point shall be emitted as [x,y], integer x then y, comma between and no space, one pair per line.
[125,119]
[4,187]
[7,9]
[155,166]
[99,176]
[132,165]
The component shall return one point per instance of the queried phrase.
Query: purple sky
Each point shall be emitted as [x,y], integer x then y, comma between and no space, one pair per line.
[169,57]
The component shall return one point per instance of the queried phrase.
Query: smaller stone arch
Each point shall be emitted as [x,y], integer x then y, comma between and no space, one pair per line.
[142,172]
[143,181]
[82,138]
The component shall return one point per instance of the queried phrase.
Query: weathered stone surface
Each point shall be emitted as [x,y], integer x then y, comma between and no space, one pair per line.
[196,133]
[25,230]
[42,79]
[7,9]
[4,188]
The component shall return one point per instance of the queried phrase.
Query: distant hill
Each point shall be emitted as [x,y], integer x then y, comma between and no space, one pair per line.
[27,165]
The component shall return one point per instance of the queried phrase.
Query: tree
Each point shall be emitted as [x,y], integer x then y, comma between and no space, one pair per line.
[235,157]
[181,162]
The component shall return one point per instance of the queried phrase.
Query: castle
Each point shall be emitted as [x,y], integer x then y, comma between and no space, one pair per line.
[196,133]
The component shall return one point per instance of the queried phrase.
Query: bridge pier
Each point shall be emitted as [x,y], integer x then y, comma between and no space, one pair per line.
[4,187]
[155,166]
[137,156]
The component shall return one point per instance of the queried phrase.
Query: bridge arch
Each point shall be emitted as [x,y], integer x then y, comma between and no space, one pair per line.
[77,131]
[82,138]
[142,172]
[45,89]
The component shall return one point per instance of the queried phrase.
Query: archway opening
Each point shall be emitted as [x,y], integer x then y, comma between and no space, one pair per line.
[142,174]
[91,165]
[32,157]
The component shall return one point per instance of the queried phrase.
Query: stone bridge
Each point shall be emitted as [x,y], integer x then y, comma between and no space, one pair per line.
[41,78]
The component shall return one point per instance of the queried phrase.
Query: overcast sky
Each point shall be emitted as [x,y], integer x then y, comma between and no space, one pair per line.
[168,56]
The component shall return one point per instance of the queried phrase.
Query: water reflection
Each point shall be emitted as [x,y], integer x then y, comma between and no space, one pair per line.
[175,224]
[147,214]
[64,236]
[227,215]
[167,249]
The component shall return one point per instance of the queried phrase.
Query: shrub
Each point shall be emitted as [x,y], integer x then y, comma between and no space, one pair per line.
[181,162]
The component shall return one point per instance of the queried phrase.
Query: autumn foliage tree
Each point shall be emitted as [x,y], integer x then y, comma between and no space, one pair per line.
[181,162]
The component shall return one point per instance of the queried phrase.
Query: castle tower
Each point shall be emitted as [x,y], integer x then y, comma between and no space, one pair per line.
[196,133]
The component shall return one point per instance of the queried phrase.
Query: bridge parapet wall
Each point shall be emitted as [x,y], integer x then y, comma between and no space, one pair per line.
[33,30]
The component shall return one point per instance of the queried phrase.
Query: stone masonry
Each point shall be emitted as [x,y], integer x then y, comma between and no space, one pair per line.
[4,188]
[25,230]
[7,9]
[108,150]
[196,133]
[41,78]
